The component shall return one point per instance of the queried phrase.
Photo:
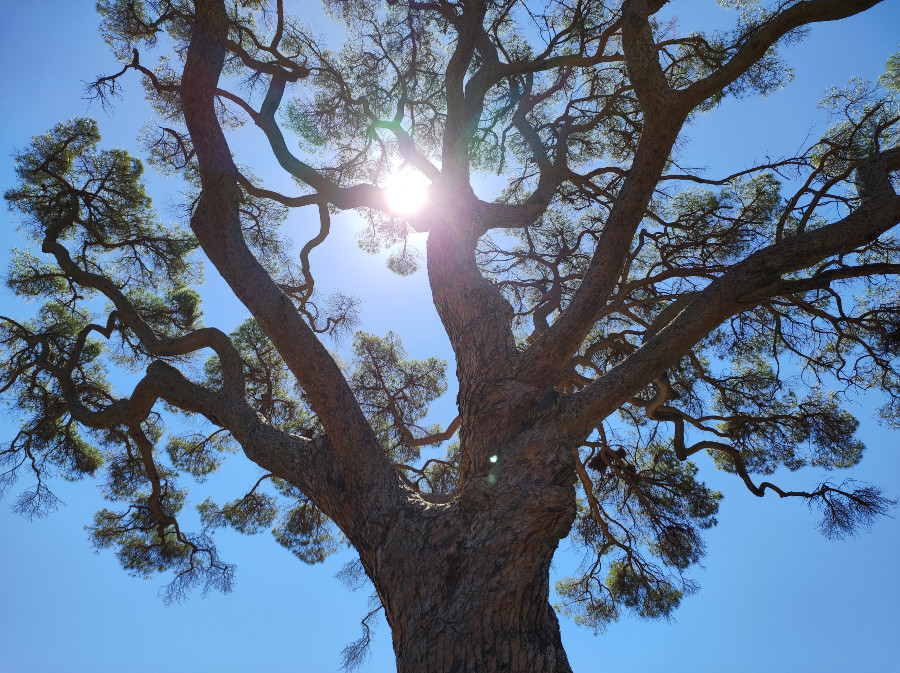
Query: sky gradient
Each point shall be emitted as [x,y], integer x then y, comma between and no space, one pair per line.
[774,593]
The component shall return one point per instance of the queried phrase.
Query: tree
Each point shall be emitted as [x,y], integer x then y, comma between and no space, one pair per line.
[611,313]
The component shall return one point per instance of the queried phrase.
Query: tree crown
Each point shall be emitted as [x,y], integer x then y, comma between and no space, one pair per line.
[611,312]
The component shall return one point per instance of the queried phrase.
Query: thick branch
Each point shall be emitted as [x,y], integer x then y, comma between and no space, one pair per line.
[642,58]
[368,196]
[129,315]
[561,340]
[763,38]
[363,469]
[741,288]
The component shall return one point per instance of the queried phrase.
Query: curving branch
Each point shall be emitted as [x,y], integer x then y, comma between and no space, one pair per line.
[356,455]
[746,284]
[755,44]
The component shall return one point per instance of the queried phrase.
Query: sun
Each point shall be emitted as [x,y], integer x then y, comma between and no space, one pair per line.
[406,191]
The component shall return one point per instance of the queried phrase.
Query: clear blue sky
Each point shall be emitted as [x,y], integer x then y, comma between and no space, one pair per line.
[774,593]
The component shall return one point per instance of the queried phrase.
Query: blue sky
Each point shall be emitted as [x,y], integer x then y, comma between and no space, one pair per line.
[774,592]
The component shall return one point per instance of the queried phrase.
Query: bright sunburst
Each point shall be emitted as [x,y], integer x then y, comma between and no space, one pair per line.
[406,191]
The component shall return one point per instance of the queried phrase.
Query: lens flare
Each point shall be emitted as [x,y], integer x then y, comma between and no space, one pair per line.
[406,192]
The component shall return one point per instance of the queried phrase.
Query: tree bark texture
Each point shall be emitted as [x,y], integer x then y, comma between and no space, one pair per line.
[465,586]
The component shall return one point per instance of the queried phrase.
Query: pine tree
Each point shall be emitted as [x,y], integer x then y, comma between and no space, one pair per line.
[611,313]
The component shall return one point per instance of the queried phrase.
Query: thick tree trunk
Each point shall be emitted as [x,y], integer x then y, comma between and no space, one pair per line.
[466,586]
[499,623]
[496,621]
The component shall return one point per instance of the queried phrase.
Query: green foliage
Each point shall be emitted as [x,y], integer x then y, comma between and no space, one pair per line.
[248,515]
[394,392]
[650,505]
[197,454]
[769,382]
[95,199]
[271,388]
[89,209]
[632,589]
[141,551]
[144,549]
[176,312]
[302,122]
[50,441]
[713,228]
[385,232]
[772,428]
[564,125]
[301,527]
[865,120]
[353,92]
[146,535]
[404,261]
[891,77]
[307,533]
[29,276]
[125,18]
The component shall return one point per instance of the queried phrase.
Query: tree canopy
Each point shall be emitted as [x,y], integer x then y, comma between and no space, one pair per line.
[611,312]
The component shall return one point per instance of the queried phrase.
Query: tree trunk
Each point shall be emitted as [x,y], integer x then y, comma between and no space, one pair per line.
[466,586]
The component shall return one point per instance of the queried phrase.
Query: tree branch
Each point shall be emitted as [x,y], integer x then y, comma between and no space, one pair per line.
[739,289]
[765,36]
[361,466]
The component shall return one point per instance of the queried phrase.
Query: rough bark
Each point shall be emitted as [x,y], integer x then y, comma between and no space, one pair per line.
[473,604]
[465,586]
[465,583]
